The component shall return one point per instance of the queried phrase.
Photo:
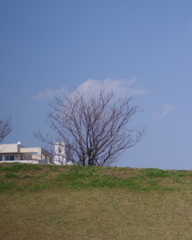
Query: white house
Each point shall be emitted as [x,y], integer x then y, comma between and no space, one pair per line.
[17,153]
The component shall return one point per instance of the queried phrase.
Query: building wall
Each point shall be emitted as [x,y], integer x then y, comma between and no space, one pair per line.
[9,148]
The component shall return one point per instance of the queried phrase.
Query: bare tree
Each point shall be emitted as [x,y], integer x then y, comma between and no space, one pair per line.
[94,127]
[5,127]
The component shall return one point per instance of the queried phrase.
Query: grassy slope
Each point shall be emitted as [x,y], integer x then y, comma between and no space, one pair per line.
[75,202]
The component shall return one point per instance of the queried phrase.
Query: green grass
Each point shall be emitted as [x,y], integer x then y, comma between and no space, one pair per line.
[84,202]
[11,175]
[15,167]
[27,177]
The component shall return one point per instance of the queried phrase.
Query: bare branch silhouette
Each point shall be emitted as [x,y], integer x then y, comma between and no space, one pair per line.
[94,127]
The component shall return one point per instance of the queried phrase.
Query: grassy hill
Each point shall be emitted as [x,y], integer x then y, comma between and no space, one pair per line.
[84,202]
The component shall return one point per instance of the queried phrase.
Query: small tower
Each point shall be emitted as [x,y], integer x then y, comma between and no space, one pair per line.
[59,154]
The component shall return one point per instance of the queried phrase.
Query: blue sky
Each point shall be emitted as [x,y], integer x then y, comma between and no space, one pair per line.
[141,47]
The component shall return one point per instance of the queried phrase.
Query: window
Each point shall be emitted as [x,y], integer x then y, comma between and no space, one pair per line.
[1,158]
[12,157]
[9,157]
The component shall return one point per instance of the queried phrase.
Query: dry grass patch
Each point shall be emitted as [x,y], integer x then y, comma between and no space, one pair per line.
[96,214]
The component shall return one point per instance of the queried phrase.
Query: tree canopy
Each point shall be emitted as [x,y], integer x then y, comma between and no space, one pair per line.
[94,127]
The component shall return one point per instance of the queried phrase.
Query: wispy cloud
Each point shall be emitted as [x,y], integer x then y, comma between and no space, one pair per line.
[48,93]
[166,110]
[119,86]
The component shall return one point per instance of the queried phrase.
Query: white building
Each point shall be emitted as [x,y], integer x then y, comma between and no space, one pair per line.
[60,154]
[17,153]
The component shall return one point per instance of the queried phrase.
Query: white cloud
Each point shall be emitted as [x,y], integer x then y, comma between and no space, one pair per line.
[119,86]
[166,110]
[48,93]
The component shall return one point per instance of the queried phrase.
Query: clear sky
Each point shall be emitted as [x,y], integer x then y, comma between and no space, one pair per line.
[136,46]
